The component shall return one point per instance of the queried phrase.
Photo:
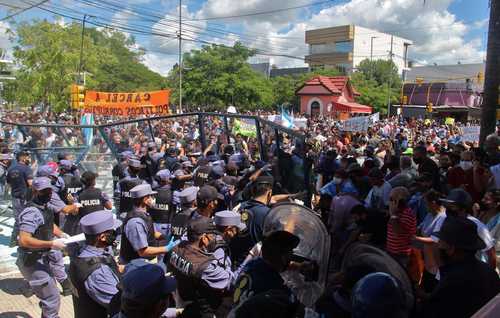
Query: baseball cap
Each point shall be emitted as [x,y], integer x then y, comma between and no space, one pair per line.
[199,226]
[135,163]
[459,197]
[408,152]
[461,233]
[99,222]
[41,183]
[164,174]
[147,284]
[208,193]
[46,171]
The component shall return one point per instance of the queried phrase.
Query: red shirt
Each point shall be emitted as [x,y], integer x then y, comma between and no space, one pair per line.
[400,243]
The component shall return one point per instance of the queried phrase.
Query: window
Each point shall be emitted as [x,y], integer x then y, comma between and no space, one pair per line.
[321,48]
[343,46]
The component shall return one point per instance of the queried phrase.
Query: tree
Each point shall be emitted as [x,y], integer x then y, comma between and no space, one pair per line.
[48,55]
[376,81]
[219,76]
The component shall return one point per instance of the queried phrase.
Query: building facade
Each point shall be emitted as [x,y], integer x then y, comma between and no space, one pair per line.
[344,47]
[330,96]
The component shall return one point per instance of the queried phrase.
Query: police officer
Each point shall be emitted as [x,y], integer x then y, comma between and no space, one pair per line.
[163,211]
[150,165]
[253,213]
[139,239]
[19,177]
[202,278]
[263,273]
[72,184]
[94,273]
[126,184]
[5,162]
[207,201]
[201,174]
[119,170]
[90,199]
[36,233]
[145,293]
[186,209]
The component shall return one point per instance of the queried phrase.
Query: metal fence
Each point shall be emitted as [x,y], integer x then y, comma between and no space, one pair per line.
[96,147]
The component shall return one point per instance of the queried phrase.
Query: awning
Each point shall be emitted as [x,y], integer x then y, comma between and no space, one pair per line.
[350,107]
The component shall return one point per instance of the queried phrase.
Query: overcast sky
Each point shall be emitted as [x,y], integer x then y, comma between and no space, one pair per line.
[443,31]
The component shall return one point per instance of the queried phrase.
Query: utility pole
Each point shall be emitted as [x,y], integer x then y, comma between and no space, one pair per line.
[491,97]
[390,83]
[180,56]
[371,47]
[79,81]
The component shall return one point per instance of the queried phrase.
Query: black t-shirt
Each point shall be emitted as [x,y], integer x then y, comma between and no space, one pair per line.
[17,177]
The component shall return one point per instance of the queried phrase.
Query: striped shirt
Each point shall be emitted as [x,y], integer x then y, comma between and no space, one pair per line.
[400,243]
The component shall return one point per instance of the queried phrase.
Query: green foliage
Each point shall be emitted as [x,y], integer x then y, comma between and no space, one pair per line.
[372,81]
[219,76]
[49,54]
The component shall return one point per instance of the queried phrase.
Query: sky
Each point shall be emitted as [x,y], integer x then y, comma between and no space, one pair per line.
[443,31]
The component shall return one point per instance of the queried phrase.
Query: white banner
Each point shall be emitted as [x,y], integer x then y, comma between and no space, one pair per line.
[471,133]
[360,124]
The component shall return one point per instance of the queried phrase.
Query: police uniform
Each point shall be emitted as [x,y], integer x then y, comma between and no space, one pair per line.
[163,211]
[17,177]
[38,220]
[201,175]
[138,229]
[94,272]
[125,185]
[119,170]
[180,220]
[202,276]
[3,171]
[72,184]
[150,165]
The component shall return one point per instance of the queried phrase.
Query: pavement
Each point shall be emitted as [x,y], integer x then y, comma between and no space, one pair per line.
[14,305]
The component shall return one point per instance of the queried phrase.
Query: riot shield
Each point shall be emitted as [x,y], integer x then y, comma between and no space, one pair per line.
[380,261]
[314,246]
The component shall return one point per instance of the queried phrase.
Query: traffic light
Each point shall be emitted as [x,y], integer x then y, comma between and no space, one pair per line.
[419,80]
[77,96]
[429,107]
[480,77]
[405,100]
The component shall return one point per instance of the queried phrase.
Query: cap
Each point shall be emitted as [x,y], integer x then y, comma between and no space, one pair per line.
[6,156]
[99,222]
[134,264]
[164,174]
[187,164]
[41,183]
[459,197]
[200,226]
[141,191]
[229,218]
[208,193]
[188,195]
[66,164]
[408,152]
[265,179]
[134,163]
[217,172]
[461,233]
[87,177]
[46,171]
[147,284]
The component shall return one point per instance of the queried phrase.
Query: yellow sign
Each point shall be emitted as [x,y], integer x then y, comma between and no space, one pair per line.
[449,121]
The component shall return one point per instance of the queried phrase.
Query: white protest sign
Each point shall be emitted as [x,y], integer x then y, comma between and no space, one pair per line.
[356,124]
[300,122]
[471,133]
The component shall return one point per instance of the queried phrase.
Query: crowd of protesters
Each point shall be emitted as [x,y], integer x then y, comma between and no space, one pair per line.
[411,188]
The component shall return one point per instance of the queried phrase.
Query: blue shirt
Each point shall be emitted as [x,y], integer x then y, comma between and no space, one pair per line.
[137,233]
[218,274]
[101,284]
[17,177]
[256,223]
[346,187]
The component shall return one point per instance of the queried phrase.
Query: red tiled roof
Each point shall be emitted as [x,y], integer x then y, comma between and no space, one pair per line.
[334,84]
[352,108]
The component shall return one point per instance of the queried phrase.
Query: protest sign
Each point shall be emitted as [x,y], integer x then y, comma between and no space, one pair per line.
[245,127]
[471,133]
[127,104]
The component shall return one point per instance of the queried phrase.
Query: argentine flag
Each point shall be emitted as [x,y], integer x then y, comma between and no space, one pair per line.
[88,133]
[286,119]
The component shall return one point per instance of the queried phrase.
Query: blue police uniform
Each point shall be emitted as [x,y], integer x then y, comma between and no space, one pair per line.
[35,265]
[17,177]
[94,272]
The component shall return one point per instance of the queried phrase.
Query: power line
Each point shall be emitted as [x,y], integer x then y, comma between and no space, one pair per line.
[24,10]
[262,12]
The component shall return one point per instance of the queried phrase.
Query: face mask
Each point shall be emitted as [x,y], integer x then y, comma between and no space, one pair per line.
[337,180]
[465,165]
[43,199]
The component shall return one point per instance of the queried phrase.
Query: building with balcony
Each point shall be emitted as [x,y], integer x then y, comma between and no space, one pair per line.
[344,47]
